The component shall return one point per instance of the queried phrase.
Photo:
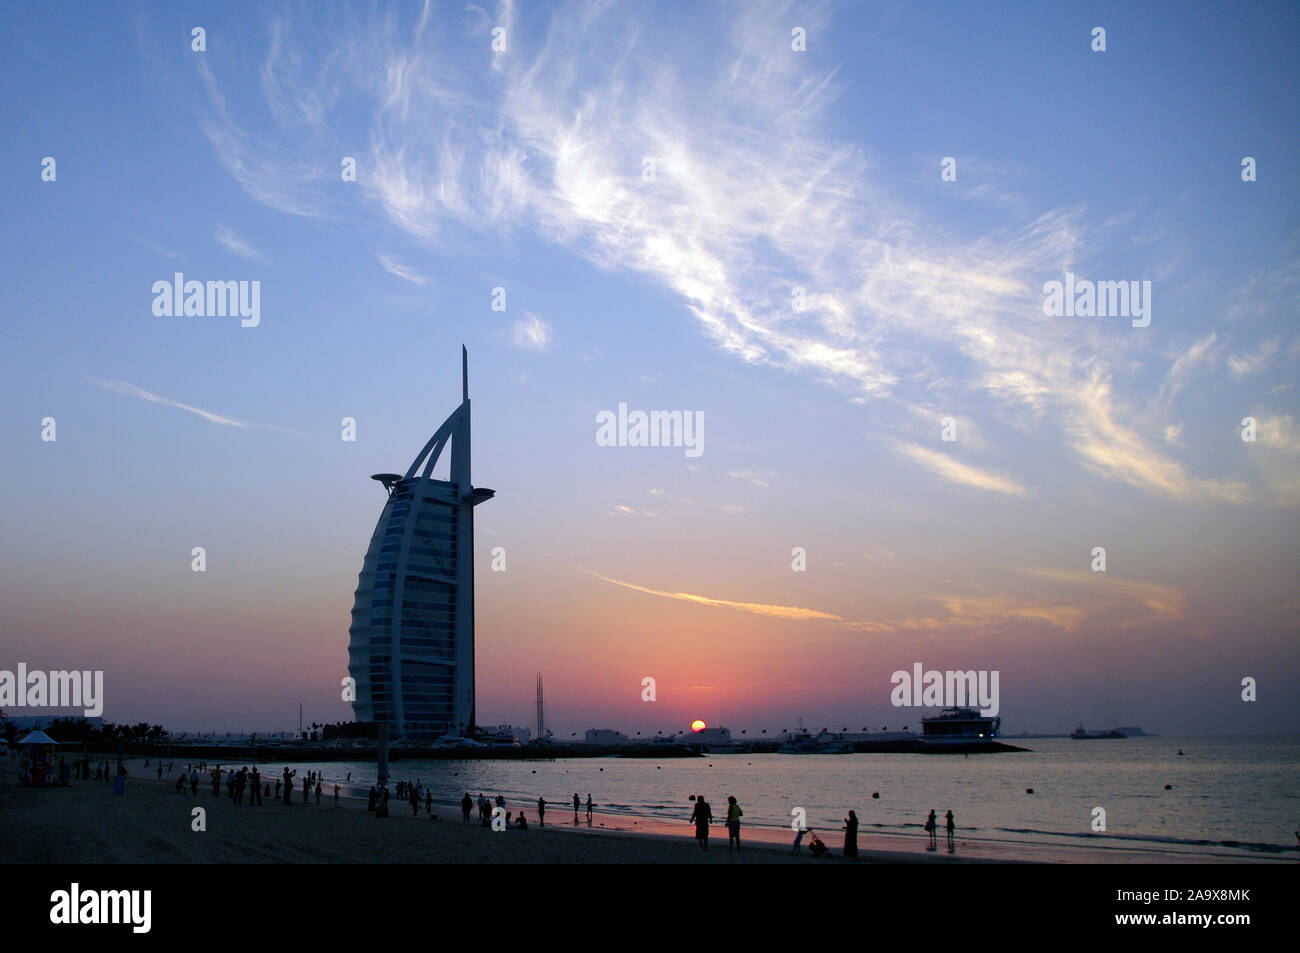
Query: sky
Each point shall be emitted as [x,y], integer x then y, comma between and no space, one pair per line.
[825,228]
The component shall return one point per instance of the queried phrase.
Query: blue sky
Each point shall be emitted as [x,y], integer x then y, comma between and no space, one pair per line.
[774,170]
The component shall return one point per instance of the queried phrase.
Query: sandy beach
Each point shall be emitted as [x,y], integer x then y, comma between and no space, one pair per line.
[151,823]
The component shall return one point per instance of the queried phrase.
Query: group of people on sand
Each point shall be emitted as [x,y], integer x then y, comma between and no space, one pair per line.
[702,817]
[490,808]
[817,847]
[932,828]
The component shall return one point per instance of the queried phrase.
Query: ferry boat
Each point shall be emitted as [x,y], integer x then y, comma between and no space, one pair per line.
[1079,734]
[959,726]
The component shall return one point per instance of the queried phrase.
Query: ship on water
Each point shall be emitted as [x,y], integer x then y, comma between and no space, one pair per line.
[1080,734]
[961,730]
[824,742]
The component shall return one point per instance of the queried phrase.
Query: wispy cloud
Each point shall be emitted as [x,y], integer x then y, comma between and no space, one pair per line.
[756,608]
[1243,365]
[234,243]
[954,471]
[395,267]
[1122,603]
[532,333]
[752,199]
[756,477]
[130,390]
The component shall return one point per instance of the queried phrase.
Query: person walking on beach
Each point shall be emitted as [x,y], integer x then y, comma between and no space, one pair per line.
[159,770]
[336,795]
[482,809]
[588,808]
[930,827]
[576,804]
[428,802]
[951,825]
[798,840]
[701,816]
[466,805]
[734,814]
[541,813]
[288,784]
[851,835]
[319,791]
[277,789]
[255,795]
[306,788]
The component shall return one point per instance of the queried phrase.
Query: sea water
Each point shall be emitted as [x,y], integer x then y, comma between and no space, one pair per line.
[1227,796]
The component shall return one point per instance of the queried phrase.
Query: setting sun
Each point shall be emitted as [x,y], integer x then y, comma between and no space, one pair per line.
[698,725]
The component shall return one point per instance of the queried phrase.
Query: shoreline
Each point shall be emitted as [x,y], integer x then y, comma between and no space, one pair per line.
[151,823]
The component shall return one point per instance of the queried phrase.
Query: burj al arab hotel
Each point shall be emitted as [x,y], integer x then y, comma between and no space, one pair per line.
[411,645]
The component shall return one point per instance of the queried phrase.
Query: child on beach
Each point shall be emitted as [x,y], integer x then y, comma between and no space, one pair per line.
[734,814]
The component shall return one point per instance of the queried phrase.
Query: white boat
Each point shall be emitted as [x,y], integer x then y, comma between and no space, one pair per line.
[457,741]
[825,742]
[959,726]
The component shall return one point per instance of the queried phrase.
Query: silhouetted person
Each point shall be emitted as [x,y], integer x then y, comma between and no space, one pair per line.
[798,841]
[817,848]
[588,808]
[931,825]
[466,805]
[370,802]
[541,813]
[701,816]
[255,793]
[734,813]
[851,835]
[288,785]
[576,805]
[951,825]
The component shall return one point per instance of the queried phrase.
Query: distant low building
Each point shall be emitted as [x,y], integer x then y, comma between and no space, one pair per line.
[713,737]
[605,736]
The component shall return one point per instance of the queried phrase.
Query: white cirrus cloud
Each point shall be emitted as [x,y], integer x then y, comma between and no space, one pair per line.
[531,332]
[232,242]
[395,267]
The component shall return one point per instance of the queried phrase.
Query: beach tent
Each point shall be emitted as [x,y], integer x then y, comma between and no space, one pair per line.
[38,737]
[41,750]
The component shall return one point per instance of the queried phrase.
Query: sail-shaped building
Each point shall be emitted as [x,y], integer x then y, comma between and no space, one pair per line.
[411,645]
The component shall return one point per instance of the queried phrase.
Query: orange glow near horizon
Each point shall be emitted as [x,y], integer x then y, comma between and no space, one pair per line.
[698,725]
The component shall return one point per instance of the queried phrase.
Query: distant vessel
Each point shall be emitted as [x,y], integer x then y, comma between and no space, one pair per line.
[1079,734]
[457,741]
[959,726]
[803,742]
